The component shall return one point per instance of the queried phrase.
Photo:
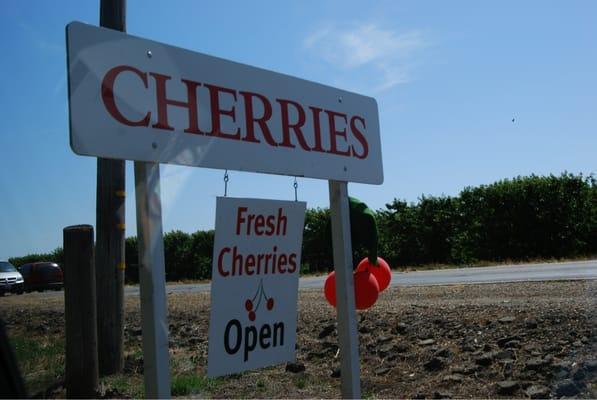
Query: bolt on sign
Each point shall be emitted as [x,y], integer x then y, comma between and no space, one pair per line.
[136,99]
[254,288]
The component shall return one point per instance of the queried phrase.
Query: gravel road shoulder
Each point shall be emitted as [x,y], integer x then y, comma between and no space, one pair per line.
[534,339]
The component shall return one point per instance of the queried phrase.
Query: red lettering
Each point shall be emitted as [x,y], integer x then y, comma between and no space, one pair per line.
[291,263]
[274,257]
[270,225]
[250,118]
[250,264]
[317,129]
[259,259]
[293,118]
[108,95]
[255,264]
[282,263]
[221,270]
[259,224]
[237,262]
[282,222]
[163,102]
[239,218]
[217,112]
[251,218]
[334,133]
[296,127]
[359,136]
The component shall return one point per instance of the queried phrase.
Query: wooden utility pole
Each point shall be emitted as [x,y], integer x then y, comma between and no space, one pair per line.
[80,313]
[110,217]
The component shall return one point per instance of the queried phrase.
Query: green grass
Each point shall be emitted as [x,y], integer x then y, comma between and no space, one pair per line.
[186,384]
[301,382]
[41,361]
[368,395]
[182,384]
[129,385]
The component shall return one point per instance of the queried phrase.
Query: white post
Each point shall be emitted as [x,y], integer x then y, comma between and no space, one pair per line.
[345,306]
[154,322]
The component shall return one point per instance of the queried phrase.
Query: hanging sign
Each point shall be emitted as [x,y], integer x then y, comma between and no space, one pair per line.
[254,287]
[136,99]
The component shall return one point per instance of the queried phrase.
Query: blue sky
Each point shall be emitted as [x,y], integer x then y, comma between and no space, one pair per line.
[448,77]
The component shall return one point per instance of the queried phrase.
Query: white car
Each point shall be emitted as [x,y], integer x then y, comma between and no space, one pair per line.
[10,279]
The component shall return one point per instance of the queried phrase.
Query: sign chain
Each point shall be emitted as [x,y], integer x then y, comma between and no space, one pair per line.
[226,178]
[295,185]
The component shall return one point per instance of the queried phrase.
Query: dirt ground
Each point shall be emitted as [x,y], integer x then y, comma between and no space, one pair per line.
[536,339]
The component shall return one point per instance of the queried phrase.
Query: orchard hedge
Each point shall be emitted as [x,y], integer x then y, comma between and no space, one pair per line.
[520,219]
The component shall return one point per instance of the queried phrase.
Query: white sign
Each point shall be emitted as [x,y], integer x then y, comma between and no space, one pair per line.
[136,99]
[254,286]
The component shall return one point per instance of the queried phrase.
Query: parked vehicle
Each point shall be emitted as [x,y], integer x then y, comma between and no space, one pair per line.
[10,279]
[41,276]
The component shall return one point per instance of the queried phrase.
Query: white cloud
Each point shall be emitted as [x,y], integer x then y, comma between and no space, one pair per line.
[383,55]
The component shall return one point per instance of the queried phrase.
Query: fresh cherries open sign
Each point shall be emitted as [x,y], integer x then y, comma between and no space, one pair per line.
[254,290]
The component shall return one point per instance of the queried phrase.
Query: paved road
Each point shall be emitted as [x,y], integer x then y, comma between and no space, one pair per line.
[502,273]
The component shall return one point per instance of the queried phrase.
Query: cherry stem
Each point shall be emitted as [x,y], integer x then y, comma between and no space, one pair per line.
[259,291]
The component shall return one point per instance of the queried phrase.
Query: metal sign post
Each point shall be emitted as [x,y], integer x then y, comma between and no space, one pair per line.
[346,315]
[152,279]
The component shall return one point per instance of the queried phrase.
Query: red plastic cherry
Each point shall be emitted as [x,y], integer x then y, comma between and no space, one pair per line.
[329,288]
[381,271]
[366,290]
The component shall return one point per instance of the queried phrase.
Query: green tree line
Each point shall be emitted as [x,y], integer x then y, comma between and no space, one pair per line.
[520,219]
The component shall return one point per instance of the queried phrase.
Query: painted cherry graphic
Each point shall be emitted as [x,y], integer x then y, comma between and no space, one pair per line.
[249,305]
[260,295]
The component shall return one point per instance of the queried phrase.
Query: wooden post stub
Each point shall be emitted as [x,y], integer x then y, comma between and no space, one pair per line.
[82,378]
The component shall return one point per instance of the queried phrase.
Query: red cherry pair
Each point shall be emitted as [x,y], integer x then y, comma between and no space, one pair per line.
[369,281]
[261,294]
